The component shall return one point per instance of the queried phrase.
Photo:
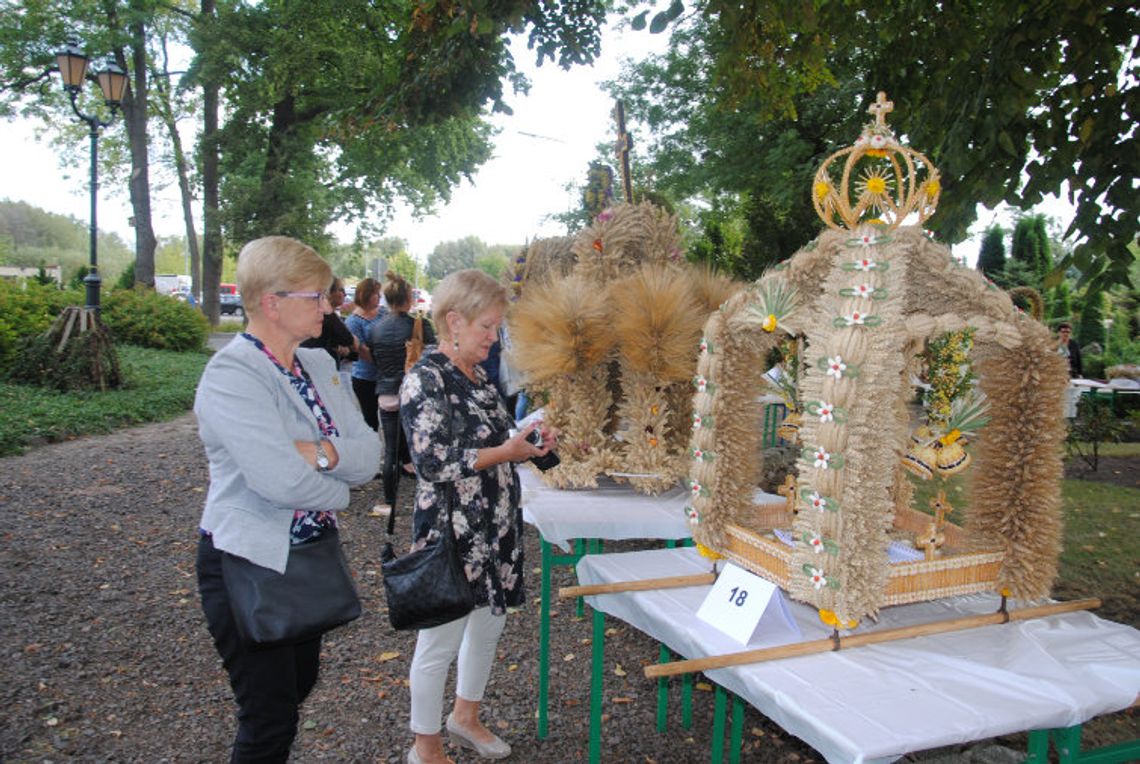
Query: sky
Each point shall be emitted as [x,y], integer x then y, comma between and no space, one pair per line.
[545,145]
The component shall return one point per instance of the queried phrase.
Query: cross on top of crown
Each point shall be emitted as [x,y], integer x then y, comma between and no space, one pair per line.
[881,108]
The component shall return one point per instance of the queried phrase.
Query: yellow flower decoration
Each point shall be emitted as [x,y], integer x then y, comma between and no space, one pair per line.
[769,324]
[829,618]
[950,437]
[822,190]
[706,552]
[874,185]
[877,153]
[1005,592]
[932,188]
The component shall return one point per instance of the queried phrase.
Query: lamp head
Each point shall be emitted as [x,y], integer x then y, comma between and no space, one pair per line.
[72,63]
[113,83]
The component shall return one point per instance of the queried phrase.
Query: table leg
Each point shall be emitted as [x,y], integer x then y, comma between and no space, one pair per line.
[544,642]
[734,739]
[579,550]
[1038,752]
[718,726]
[664,656]
[687,701]
[596,682]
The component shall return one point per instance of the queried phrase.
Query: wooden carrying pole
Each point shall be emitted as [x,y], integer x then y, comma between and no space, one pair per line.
[858,640]
[645,584]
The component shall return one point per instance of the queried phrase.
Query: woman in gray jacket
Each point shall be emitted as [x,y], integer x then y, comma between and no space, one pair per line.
[285,441]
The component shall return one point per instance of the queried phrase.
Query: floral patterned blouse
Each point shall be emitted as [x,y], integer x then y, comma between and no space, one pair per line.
[448,418]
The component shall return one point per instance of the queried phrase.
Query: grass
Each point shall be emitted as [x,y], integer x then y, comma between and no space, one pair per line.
[160,386]
[230,325]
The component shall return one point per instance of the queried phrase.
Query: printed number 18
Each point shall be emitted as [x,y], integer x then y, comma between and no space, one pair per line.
[737,599]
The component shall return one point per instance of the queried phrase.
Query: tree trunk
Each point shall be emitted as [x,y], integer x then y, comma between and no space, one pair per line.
[211,222]
[135,115]
[165,107]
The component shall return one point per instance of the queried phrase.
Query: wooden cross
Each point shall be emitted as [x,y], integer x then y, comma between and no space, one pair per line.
[624,143]
[881,108]
[942,507]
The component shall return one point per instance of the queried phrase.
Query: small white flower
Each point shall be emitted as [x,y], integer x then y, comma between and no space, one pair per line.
[696,421]
[855,319]
[698,454]
[865,263]
[878,141]
[826,412]
[816,501]
[695,487]
[704,346]
[864,291]
[702,384]
[693,515]
[836,367]
[818,580]
[816,542]
[822,458]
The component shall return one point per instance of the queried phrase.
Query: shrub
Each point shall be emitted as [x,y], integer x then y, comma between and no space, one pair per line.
[148,319]
[28,310]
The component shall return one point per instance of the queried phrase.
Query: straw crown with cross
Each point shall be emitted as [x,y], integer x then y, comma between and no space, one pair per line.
[878,180]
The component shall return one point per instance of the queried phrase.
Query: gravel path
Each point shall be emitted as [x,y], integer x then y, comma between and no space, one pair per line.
[107,658]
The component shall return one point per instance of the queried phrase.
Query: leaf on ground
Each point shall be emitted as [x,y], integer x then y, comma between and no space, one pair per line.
[568,657]
[622,700]
[757,732]
[502,724]
[513,667]
[618,670]
[611,632]
[387,656]
[703,686]
[309,724]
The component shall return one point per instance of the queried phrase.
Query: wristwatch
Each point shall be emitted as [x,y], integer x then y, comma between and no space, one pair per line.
[322,458]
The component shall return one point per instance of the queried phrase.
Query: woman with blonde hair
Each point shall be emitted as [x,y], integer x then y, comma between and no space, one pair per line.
[460,436]
[285,441]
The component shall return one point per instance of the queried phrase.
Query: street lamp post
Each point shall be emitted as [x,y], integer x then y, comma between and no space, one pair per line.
[113,82]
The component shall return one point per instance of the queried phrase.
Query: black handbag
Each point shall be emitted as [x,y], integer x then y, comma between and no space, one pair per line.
[315,594]
[427,587]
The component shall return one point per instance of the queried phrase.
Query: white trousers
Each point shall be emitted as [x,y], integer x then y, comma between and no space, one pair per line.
[473,639]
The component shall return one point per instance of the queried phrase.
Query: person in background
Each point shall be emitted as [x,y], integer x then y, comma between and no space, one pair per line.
[335,338]
[366,313]
[1068,347]
[284,441]
[386,344]
[460,439]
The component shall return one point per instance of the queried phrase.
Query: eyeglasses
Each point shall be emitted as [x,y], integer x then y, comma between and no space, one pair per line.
[316,297]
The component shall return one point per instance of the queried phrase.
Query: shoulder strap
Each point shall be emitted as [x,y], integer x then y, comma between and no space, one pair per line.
[418,329]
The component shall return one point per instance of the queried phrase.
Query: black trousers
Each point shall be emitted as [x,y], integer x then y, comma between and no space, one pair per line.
[365,390]
[269,684]
[394,457]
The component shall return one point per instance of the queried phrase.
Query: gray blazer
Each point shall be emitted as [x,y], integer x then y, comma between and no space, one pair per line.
[248,417]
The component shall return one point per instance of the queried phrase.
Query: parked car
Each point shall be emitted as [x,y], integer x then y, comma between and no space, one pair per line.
[231,305]
[421,300]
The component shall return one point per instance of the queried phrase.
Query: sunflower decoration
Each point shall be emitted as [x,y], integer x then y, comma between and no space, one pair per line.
[874,187]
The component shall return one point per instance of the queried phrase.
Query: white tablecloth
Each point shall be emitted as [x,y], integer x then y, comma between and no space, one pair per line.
[610,511]
[877,703]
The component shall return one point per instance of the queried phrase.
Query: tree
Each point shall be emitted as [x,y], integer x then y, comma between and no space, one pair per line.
[991,256]
[451,256]
[1009,99]
[1061,305]
[337,109]
[1090,329]
[494,264]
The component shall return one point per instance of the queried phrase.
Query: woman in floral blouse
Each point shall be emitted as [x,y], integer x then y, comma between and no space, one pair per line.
[459,433]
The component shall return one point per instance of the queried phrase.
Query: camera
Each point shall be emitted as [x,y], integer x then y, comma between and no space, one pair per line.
[547,461]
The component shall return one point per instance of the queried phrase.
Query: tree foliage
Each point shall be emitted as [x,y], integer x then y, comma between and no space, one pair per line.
[1009,99]
[451,256]
[991,256]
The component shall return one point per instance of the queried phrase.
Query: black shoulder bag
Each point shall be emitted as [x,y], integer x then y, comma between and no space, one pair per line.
[428,587]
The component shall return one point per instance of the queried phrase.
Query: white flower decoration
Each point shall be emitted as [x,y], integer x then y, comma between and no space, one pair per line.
[822,458]
[696,421]
[865,263]
[816,501]
[864,291]
[878,141]
[826,412]
[836,367]
[818,580]
[693,515]
[698,454]
[816,542]
[702,384]
[704,346]
[855,319]
[695,487]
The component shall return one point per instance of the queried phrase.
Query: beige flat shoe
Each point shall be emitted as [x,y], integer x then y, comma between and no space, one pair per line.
[496,749]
